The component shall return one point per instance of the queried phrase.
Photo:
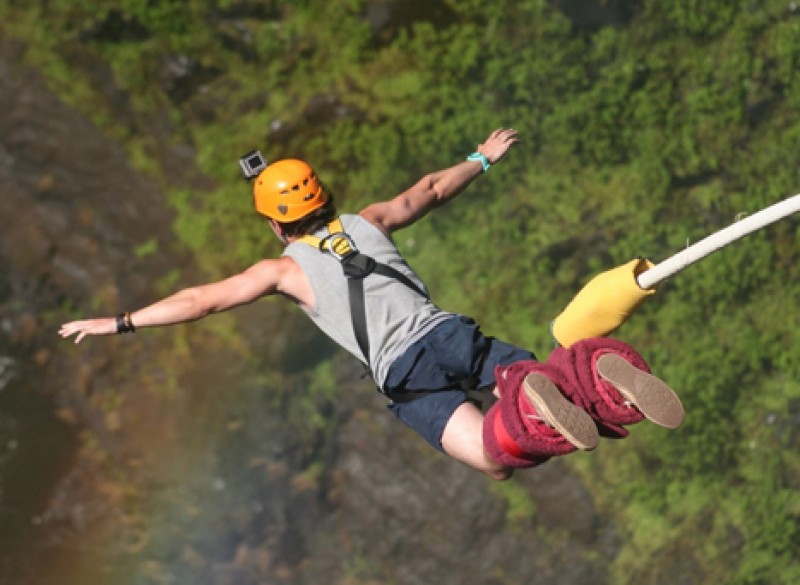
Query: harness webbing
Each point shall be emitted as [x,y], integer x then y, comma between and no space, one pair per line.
[357,266]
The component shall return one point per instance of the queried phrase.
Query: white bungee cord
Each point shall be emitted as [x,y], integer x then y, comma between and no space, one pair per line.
[715,241]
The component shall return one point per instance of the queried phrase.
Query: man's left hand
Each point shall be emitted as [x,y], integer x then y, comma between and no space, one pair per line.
[498,143]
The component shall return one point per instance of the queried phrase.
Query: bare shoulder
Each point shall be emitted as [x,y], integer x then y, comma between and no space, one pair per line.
[376,215]
[262,278]
[272,272]
[268,270]
[288,278]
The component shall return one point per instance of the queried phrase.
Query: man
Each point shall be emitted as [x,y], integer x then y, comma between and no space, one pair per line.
[423,358]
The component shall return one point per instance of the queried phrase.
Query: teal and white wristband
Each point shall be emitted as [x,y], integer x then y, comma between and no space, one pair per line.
[477,156]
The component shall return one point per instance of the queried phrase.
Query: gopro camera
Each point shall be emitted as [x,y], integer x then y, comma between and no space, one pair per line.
[252,164]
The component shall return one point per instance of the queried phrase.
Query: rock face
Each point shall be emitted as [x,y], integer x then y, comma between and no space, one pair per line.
[73,213]
[104,479]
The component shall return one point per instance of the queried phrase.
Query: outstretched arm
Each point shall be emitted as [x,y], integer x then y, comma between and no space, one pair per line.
[436,188]
[193,303]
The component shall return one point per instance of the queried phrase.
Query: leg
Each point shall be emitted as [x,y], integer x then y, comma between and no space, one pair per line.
[463,440]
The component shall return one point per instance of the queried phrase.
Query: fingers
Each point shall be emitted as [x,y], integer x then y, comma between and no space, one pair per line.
[85,328]
[502,138]
[504,134]
[67,330]
[70,328]
[498,143]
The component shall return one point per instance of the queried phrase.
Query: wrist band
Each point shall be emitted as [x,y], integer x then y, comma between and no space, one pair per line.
[129,322]
[124,324]
[477,156]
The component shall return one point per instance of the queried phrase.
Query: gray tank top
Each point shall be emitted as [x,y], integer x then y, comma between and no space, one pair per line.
[396,315]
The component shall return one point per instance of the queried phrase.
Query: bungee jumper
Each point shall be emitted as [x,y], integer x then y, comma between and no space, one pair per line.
[437,369]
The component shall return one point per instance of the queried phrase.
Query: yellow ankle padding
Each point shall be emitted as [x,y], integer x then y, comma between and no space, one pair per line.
[603,304]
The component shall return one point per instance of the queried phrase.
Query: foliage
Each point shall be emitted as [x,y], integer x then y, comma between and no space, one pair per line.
[637,139]
[520,508]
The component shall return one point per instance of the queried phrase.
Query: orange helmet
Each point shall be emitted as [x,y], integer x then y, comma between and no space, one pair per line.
[287,190]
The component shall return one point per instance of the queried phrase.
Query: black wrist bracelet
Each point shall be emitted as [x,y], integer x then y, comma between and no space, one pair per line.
[129,323]
[124,324]
[120,323]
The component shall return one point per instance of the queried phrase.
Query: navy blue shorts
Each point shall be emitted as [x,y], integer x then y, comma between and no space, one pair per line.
[453,351]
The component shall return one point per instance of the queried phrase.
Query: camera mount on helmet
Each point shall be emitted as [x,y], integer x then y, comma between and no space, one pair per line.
[252,164]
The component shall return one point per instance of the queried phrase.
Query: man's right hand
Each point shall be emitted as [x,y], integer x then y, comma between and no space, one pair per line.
[104,326]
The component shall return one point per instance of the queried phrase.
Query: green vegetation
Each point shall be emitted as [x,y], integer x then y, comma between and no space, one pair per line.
[521,509]
[638,137]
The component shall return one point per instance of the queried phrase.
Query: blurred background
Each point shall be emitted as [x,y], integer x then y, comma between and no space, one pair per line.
[245,449]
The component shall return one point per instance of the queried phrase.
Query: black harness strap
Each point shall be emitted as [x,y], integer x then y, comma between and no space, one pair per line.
[356,267]
[485,398]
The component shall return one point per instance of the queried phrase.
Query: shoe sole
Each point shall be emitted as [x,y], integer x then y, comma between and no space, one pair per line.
[572,422]
[654,399]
